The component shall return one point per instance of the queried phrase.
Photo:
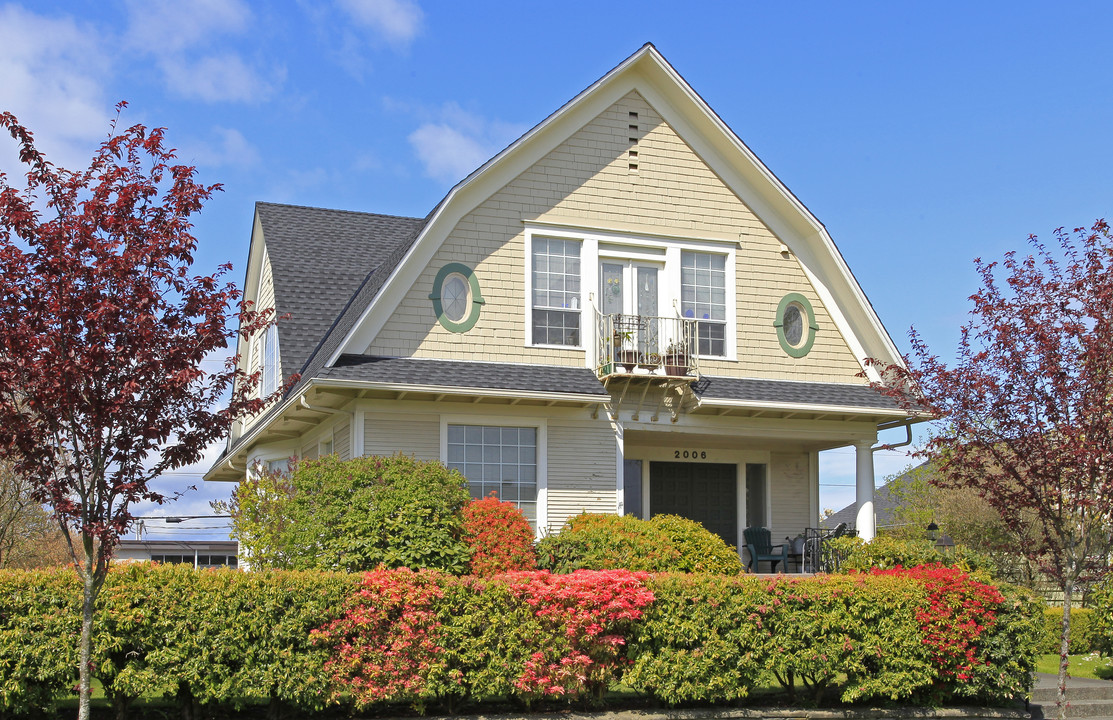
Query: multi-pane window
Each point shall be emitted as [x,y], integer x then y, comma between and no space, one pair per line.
[498,460]
[703,296]
[556,292]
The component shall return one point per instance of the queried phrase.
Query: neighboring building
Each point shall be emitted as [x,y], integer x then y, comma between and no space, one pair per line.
[624,311]
[198,553]
[885,502]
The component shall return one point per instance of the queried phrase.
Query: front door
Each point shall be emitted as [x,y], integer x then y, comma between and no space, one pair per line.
[704,492]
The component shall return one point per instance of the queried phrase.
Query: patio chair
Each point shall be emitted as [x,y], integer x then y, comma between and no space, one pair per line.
[760,545]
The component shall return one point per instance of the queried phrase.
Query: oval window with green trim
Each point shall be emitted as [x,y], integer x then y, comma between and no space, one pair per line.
[796,326]
[456,298]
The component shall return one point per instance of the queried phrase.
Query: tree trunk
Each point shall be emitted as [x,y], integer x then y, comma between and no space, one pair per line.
[85,649]
[1064,647]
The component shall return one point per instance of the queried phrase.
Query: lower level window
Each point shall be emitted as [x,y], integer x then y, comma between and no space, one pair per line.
[497,460]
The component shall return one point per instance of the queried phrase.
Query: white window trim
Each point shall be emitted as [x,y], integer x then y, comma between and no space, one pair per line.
[542,428]
[666,251]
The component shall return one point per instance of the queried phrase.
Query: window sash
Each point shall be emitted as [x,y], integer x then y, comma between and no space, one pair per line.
[497,459]
[703,297]
[555,273]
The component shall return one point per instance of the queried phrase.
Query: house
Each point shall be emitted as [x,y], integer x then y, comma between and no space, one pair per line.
[198,553]
[624,311]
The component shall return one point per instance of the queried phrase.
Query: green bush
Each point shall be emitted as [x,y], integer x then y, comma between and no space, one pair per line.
[700,549]
[713,638]
[1101,600]
[1085,631]
[357,514]
[610,542]
[40,620]
[885,552]
[217,639]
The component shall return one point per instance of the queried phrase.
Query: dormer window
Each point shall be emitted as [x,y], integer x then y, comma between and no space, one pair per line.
[270,361]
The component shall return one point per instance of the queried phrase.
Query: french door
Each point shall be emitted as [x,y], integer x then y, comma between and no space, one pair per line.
[630,289]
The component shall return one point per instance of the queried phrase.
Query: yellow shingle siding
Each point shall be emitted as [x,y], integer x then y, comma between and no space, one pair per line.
[588,178]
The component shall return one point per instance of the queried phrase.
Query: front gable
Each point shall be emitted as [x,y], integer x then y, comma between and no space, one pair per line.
[624,186]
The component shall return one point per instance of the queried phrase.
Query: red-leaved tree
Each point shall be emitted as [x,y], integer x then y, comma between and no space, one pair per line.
[103,328]
[1027,406]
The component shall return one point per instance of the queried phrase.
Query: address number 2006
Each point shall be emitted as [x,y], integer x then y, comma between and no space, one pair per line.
[690,454]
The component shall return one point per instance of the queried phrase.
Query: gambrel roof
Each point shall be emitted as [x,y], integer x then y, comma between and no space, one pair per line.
[339,276]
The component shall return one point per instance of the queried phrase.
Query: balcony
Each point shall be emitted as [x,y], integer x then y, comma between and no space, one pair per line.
[641,345]
[647,362]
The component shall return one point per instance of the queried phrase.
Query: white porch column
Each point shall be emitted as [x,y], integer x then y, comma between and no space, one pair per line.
[866,520]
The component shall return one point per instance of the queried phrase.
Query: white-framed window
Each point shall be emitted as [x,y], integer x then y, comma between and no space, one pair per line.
[703,297]
[692,277]
[325,446]
[269,354]
[500,460]
[556,317]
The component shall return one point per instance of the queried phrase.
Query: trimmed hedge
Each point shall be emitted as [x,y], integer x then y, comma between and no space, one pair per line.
[1087,631]
[666,543]
[219,638]
[885,552]
[498,536]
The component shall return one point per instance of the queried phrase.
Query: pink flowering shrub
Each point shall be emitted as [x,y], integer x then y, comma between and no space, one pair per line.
[585,618]
[388,644]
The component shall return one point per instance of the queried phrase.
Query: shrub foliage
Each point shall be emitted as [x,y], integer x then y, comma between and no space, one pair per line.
[498,536]
[666,543]
[217,639]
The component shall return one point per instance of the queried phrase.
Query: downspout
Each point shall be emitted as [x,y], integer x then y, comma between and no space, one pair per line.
[907,426]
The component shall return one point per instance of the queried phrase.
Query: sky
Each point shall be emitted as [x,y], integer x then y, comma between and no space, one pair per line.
[923,135]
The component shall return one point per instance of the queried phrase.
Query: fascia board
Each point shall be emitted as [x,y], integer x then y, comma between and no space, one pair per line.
[477,187]
[789,219]
[468,391]
[806,407]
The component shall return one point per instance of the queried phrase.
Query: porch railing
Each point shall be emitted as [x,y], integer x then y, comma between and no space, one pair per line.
[646,345]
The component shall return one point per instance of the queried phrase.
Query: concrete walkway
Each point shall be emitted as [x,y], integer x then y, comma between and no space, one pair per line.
[1086,698]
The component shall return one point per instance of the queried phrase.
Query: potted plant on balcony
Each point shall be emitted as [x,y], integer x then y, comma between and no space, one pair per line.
[624,352]
[676,359]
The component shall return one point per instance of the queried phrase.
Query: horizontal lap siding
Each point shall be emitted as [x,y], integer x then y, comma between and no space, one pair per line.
[790,493]
[581,471]
[342,440]
[265,301]
[386,434]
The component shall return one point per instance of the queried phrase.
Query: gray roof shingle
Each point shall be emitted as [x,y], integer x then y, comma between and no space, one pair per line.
[461,374]
[319,259]
[797,393]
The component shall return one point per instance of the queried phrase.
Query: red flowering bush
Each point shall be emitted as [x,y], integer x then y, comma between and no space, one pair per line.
[959,614]
[585,617]
[388,642]
[499,536]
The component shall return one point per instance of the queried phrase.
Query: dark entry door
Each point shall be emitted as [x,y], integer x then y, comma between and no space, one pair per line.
[704,492]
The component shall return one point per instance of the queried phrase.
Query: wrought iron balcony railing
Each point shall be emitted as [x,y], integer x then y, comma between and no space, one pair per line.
[646,345]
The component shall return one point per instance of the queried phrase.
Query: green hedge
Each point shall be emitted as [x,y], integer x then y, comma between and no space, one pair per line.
[220,638]
[666,543]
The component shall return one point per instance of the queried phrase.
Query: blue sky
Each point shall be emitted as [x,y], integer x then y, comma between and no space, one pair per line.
[923,135]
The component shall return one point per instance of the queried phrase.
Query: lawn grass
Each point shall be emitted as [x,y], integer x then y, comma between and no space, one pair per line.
[1091,666]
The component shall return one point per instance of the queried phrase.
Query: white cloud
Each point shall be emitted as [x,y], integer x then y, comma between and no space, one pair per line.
[460,142]
[396,21]
[216,78]
[52,70]
[228,147]
[170,26]
[184,37]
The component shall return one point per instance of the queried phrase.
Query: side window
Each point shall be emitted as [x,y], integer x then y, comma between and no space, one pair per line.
[703,297]
[270,361]
[555,273]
